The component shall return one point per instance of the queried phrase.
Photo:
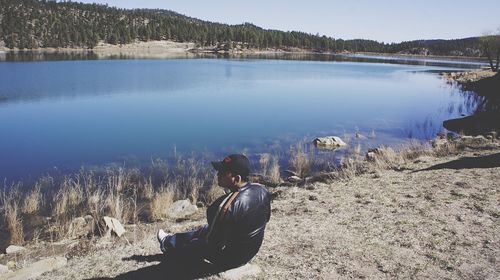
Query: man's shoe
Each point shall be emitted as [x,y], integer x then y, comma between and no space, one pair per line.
[161,235]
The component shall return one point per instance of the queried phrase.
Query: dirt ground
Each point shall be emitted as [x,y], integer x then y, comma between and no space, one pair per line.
[435,218]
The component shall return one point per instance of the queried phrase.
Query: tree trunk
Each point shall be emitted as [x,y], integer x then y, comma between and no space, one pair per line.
[498,60]
[490,60]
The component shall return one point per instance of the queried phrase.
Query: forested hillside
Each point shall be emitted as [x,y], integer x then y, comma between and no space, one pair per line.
[31,24]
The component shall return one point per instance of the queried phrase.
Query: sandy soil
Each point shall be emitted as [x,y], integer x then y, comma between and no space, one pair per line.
[433,224]
[138,49]
[435,218]
[467,77]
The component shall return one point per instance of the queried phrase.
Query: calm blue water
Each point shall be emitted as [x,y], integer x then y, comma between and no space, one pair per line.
[60,115]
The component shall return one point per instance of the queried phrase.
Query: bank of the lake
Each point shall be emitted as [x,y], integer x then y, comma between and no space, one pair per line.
[171,49]
[162,49]
[428,214]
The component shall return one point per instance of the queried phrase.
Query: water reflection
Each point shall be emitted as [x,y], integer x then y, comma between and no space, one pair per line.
[479,109]
[107,79]
[26,56]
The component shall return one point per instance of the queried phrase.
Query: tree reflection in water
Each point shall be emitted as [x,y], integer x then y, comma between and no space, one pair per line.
[482,101]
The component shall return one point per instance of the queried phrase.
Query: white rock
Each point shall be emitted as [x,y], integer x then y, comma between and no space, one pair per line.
[329,142]
[242,272]
[12,249]
[36,269]
[370,156]
[360,136]
[114,225]
[4,269]
[11,265]
[181,209]
[294,179]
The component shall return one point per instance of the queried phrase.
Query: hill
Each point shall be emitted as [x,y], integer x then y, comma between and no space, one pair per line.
[32,24]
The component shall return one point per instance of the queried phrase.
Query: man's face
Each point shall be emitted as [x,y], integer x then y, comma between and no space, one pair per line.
[225,179]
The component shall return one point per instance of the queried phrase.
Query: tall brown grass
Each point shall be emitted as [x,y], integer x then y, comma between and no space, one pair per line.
[447,148]
[349,168]
[301,160]
[388,158]
[33,201]
[189,179]
[126,194]
[274,171]
[160,203]
[270,168]
[264,161]
[10,202]
[211,192]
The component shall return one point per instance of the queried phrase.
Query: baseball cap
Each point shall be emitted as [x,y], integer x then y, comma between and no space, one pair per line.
[237,164]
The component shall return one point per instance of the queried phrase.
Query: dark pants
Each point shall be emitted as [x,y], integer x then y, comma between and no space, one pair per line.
[188,246]
[191,247]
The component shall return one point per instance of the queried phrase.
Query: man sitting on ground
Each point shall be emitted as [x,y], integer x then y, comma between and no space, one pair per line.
[236,221]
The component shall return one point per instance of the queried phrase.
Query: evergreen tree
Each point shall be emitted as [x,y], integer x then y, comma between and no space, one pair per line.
[32,23]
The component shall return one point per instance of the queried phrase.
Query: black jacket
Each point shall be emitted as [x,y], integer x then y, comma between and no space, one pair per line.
[237,238]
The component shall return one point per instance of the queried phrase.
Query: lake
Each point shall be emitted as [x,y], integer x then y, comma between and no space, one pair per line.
[59,115]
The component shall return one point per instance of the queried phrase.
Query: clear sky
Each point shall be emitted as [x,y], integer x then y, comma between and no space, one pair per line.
[381,20]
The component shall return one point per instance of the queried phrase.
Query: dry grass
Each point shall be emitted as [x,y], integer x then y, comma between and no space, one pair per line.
[147,191]
[212,192]
[33,201]
[349,168]
[12,215]
[387,158]
[270,168]
[68,199]
[189,179]
[384,158]
[95,201]
[67,204]
[264,163]
[274,171]
[445,149]
[301,160]
[413,150]
[160,203]
[121,195]
[125,194]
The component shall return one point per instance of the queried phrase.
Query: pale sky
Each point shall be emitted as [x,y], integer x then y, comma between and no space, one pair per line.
[382,20]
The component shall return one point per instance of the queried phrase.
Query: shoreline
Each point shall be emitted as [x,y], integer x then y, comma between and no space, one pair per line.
[412,202]
[467,77]
[475,59]
[159,47]
[166,48]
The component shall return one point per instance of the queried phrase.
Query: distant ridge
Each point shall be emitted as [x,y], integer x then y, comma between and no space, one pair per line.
[32,24]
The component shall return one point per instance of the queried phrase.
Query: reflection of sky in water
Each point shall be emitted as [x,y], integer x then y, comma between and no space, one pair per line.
[73,113]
